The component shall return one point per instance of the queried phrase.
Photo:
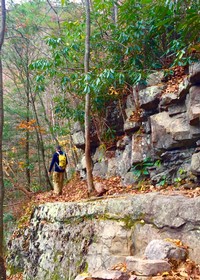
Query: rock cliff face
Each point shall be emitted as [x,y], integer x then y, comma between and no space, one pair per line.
[167,129]
[64,239]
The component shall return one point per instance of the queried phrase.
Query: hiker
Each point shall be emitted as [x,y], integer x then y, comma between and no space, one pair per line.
[59,162]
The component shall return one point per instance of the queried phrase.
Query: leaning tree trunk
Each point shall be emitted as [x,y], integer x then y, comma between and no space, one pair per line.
[87,103]
[2,33]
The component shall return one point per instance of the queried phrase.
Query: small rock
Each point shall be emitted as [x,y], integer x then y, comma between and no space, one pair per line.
[147,267]
[99,187]
[110,275]
[81,277]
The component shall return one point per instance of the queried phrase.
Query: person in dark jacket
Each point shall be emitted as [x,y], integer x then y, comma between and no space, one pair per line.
[58,173]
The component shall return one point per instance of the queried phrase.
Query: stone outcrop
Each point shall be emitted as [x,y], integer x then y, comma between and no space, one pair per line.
[165,123]
[147,267]
[66,239]
[159,250]
[195,164]
[195,73]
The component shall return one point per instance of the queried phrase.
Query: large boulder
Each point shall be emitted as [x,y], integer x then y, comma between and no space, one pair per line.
[166,100]
[141,148]
[194,72]
[112,167]
[155,78]
[183,89]
[147,267]
[68,238]
[123,142]
[114,116]
[195,164]
[100,168]
[129,179]
[78,136]
[172,132]
[149,97]
[131,126]
[123,165]
[176,109]
[159,249]
[174,164]
[193,105]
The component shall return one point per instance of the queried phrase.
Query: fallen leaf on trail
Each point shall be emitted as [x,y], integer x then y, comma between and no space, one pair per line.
[120,266]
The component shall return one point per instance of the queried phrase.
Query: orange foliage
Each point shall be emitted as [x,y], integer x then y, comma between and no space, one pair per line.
[22,142]
[30,125]
[21,164]
[113,91]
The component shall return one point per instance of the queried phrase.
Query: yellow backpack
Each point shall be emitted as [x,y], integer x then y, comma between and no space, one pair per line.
[62,159]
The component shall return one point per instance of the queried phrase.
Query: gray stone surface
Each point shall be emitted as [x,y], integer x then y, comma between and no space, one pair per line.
[129,178]
[159,249]
[110,275]
[141,148]
[193,104]
[82,277]
[65,238]
[183,89]
[77,127]
[121,144]
[176,109]
[166,100]
[123,165]
[130,126]
[147,267]
[100,168]
[100,187]
[172,132]
[78,139]
[195,164]
[149,97]
[155,78]
[168,122]
[112,167]
[194,73]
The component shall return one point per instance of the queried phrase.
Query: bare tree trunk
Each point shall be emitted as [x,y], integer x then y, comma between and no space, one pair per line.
[41,146]
[28,175]
[39,166]
[47,120]
[2,33]
[88,159]
[115,13]
[73,151]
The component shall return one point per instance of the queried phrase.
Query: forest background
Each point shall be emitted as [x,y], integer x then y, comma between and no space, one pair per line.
[45,82]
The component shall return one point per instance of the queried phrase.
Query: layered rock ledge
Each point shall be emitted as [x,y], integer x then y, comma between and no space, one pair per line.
[65,239]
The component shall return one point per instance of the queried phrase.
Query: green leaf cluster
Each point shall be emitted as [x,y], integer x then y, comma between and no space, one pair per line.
[146,36]
[141,170]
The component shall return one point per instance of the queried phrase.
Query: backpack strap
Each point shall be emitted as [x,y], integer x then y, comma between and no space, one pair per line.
[63,153]
[58,160]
